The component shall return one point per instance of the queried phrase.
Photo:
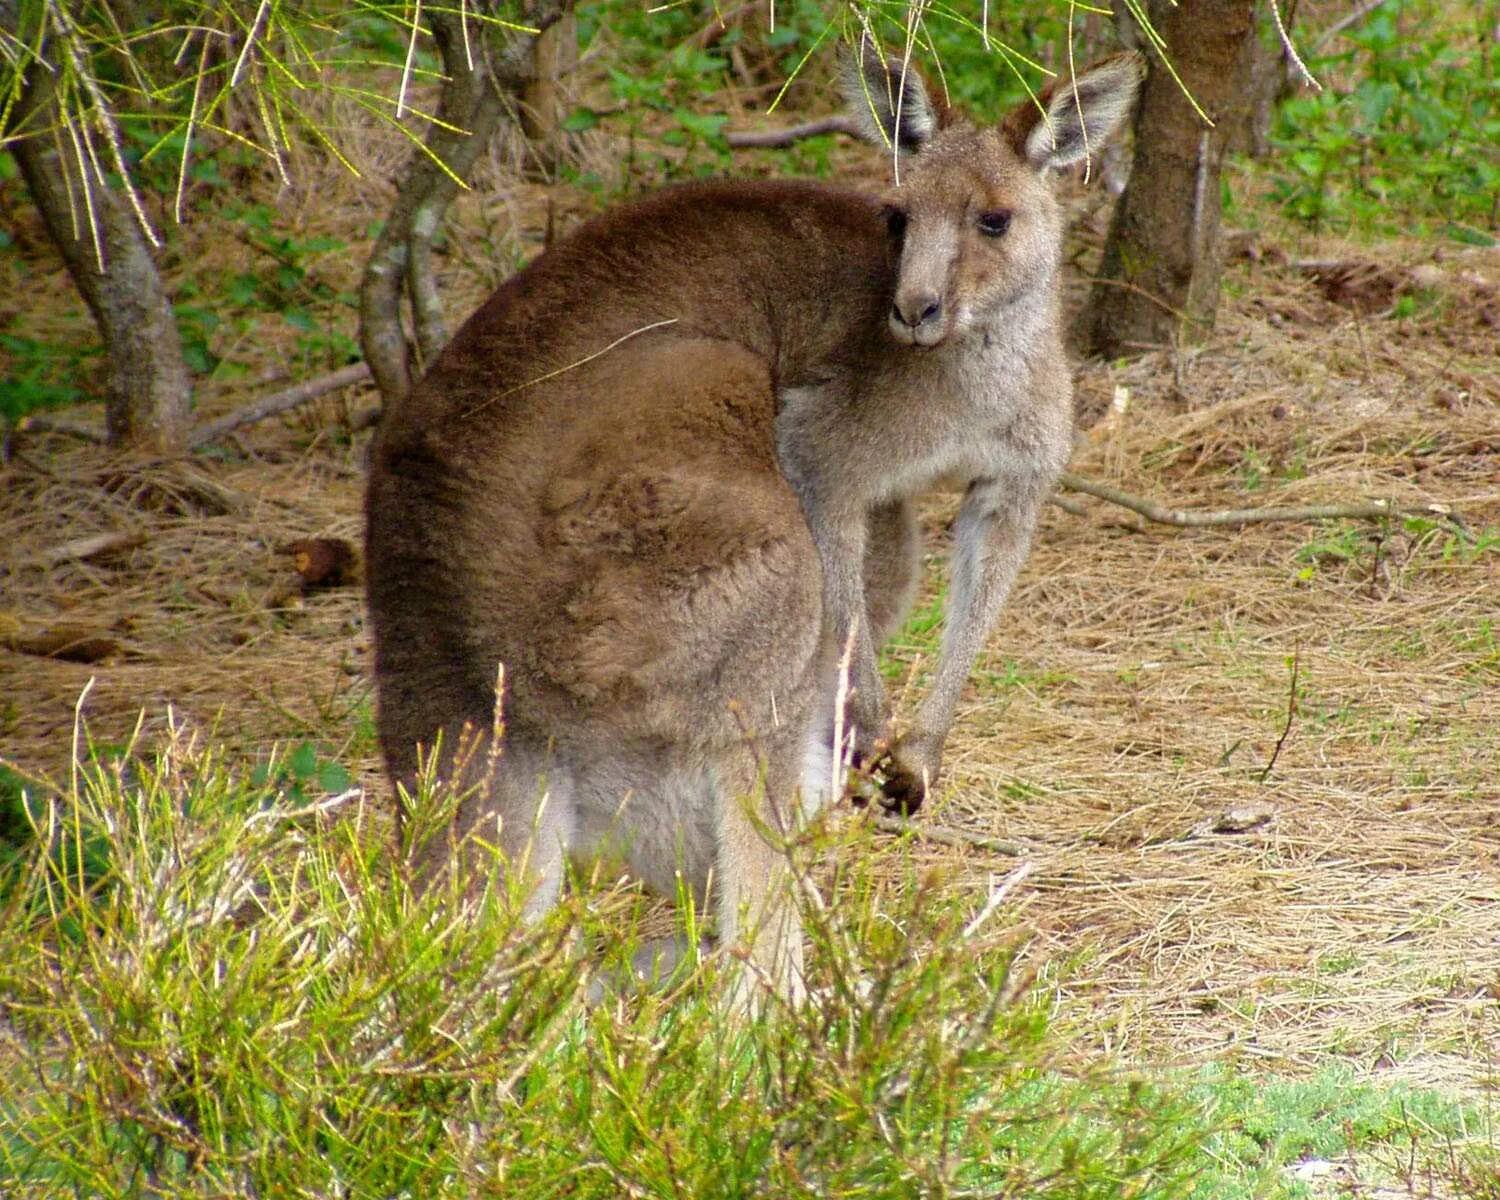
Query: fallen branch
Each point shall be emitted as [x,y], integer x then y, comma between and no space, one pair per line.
[71,643]
[945,835]
[78,429]
[709,35]
[1372,510]
[88,547]
[778,138]
[279,402]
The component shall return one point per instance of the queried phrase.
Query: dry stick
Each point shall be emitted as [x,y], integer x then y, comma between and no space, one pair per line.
[275,403]
[78,429]
[945,835]
[88,547]
[1343,23]
[777,138]
[1190,519]
[1291,711]
[719,26]
[279,402]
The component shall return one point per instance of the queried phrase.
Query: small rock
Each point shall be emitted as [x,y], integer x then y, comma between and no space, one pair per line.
[1241,818]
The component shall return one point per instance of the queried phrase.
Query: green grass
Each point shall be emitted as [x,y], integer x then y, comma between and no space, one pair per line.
[215,983]
[1267,1124]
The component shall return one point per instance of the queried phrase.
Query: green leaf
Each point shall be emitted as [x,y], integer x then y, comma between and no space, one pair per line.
[333,777]
[703,125]
[303,761]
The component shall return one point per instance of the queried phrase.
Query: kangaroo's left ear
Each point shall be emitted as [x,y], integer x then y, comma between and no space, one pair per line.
[887,99]
[1079,116]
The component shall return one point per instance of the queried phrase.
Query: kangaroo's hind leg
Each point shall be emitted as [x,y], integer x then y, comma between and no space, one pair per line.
[758,812]
[517,800]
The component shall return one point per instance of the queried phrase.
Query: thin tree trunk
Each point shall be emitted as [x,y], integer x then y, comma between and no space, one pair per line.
[149,390]
[1269,84]
[481,79]
[544,102]
[1159,280]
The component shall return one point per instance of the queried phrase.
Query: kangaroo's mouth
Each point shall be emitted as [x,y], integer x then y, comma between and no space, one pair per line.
[926,336]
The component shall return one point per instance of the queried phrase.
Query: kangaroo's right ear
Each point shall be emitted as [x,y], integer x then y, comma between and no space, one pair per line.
[1069,121]
[887,99]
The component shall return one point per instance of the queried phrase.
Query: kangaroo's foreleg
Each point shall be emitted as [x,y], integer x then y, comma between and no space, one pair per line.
[991,539]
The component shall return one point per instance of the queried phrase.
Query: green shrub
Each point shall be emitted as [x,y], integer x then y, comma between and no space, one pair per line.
[1408,144]
[242,996]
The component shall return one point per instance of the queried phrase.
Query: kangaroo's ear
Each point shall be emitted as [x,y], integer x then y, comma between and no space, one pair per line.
[887,99]
[1071,120]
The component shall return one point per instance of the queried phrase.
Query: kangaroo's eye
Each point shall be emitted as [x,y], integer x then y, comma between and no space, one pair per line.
[994,224]
[895,221]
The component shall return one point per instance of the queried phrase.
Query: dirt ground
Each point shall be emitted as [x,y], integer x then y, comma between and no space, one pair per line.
[1256,770]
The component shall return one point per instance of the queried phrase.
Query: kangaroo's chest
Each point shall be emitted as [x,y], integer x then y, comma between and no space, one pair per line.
[916,422]
[945,423]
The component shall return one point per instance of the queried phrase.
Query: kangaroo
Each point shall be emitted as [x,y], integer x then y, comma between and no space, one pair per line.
[665,477]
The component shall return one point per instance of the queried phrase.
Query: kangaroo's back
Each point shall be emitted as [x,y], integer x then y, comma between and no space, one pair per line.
[583,375]
[796,272]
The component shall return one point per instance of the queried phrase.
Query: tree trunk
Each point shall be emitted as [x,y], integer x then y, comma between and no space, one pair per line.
[544,102]
[1269,85]
[474,95]
[149,389]
[1159,280]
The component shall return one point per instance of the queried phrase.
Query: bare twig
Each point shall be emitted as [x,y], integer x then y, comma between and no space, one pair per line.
[78,429]
[1291,711]
[1192,519]
[1343,23]
[1067,504]
[776,138]
[710,34]
[279,402]
[945,835]
[88,547]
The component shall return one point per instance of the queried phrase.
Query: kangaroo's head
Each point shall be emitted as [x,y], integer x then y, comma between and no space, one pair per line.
[972,217]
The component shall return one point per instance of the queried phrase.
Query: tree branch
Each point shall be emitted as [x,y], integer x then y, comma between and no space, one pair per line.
[1347,21]
[279,402]
[88,547]
[777,138]
[945,835]
[471,104]
[1198,518]
[36,423]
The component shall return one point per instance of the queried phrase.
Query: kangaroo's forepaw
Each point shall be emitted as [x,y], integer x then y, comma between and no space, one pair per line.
[908,772]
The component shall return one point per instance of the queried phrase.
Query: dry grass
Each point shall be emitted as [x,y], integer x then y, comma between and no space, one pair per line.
[1133,695]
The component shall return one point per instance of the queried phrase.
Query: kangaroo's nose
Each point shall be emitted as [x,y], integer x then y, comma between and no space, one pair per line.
[917,310]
